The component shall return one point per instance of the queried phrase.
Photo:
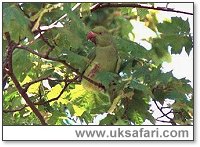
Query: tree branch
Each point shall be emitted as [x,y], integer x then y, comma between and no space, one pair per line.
[17,5]
[51,47]
[9,71]
[64,63]
[56,98]
[51,100]
[27,85]
[134,5]
[164,121]
[166,115]
[26,98]
[164,107]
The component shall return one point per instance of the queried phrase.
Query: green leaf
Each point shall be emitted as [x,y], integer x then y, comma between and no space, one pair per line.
[31,8]
[76,25]
[54,118]
[177,46]
[8,96]
[102,104]
[126,11]
[16,102]
[65,38]
[176,26]
[106,78]
[121,122]
[180,90]
[172,89]
[40,46]
[177,29]
[88,118]
[157,76]
[85,9]
[142,87]
[142,12]
[131,48]
[74,60]
[125,27]
[49,71]
[21,66]
[138,108]
[39,15]
[93,102]
[137,118]
[108,120]
[78,110]
[159,52]
[16,23]
[184,113]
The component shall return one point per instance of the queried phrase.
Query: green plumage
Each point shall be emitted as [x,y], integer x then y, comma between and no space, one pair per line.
[105,58]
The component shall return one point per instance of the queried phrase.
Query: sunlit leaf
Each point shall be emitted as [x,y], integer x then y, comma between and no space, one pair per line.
[34,88]
[55,91]
[78,110]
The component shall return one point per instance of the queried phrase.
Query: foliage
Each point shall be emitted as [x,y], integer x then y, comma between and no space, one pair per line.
[49,67]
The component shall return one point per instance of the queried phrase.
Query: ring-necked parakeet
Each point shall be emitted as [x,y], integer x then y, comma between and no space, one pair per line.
[105,57]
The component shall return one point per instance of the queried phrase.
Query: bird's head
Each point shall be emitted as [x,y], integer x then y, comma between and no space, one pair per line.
[100,36]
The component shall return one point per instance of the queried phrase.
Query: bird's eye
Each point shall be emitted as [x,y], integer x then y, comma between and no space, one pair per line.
[100,33]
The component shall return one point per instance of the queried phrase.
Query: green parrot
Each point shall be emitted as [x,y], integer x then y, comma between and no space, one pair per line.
[104,59]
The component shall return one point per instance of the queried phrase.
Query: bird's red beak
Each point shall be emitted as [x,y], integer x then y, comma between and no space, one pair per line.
[91,36]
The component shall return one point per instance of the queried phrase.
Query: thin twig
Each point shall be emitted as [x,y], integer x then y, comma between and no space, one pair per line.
[64,63]
[51,47]
[134,5]
[9,71]
[171,120]
[164,121]
[67,83]
[48,101]
[164,107]
[26,98]
[165,114]
[22,10]
[27,85]
[15,110]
